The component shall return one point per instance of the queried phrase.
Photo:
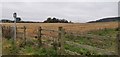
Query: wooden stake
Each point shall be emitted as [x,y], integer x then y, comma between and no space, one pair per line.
[24,35]
[39,36]
[61,40]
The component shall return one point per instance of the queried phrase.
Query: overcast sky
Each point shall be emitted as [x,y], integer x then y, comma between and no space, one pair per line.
[72,11]
[59,0]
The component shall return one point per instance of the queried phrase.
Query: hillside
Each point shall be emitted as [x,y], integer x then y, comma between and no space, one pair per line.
[110,19]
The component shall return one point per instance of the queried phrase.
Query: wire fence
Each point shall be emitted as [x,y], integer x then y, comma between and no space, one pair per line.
[49,37]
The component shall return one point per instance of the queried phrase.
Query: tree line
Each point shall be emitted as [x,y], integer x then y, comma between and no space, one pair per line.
[18,19]
[55,20]
[49,20]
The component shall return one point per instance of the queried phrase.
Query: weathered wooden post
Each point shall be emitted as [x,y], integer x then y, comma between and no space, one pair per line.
[118,42]
[16,31]
[39,36]
[24,35]
[2,31]
[9,32]
[61,41]
[118,39]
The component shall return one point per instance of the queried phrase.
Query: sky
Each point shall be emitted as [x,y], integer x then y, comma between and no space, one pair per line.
[59,0]
[72,11]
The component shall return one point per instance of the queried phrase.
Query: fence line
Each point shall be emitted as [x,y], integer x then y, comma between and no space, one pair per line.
[59,41]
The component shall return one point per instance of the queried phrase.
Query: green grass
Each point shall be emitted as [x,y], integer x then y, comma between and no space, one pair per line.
[7,46]
[108,43]
[104,43]
[30,50]
[27,49]
[105,32]
[81,51]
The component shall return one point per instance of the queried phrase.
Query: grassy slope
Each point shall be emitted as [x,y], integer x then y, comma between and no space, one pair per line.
[107,43]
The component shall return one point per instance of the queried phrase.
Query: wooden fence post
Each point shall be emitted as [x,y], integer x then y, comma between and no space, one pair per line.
[24,35]
[118,40]
[61,40]
[39,36]
[16,31]
[9,32]
[3,27]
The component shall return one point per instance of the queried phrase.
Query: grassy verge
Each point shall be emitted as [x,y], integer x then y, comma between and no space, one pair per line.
[81,51]
[108,42]
[28,49]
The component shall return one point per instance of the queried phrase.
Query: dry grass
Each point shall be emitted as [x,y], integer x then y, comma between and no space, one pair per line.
[69,27]
[76,27]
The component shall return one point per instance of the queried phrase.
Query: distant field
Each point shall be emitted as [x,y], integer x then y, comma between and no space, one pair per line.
[75,27]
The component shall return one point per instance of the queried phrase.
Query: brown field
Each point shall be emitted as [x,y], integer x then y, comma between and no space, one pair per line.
[69,27]
[75,27]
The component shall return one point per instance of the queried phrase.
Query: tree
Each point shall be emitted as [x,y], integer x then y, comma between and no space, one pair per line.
[18,19]
[6,21]
[54,20]
[48,19]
